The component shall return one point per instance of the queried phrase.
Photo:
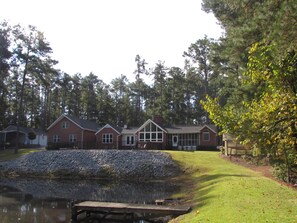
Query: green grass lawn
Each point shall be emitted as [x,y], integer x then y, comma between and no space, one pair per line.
[220,191]
[8,154]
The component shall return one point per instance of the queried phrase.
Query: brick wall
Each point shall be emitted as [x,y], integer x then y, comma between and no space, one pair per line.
[108,145]
[84,138]
[212,141]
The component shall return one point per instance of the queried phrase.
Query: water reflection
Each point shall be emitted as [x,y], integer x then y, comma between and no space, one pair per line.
[48,201]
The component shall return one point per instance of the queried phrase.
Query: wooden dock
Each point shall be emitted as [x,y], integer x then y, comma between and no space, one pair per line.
[130,211]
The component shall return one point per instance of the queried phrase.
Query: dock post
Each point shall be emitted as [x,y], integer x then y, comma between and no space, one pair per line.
[73,213]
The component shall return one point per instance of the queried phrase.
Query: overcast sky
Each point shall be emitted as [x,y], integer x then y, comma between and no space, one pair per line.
[104,36]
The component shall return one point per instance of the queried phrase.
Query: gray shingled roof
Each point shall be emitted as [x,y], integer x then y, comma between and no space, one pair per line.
[188,129]
[84,124]
[183,129]
[179,129]
[130,130]
[117,128]
[13,128]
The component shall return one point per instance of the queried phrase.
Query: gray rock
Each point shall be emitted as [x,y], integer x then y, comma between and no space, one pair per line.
[90,164]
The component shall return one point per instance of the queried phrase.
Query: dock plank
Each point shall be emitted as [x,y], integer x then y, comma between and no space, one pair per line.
[131,208]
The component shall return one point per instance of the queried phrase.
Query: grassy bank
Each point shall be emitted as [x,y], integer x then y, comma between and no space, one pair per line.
[9,154]
[220,191]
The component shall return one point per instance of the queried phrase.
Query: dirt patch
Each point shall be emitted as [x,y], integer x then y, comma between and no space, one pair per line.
[265,170]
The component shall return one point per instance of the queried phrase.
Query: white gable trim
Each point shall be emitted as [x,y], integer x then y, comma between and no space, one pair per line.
[55,122]
[150,121]
[107,126]
[65,116]
[208,128]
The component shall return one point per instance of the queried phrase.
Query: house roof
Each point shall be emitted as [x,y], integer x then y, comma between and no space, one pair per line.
[115,128]
[151,121]
[25,130]
[211,127]
[84,123]
[189,129]
[81,123]
[130,130]
[179,129]
[183,129]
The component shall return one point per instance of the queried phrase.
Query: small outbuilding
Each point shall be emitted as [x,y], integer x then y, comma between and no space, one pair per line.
[8,137]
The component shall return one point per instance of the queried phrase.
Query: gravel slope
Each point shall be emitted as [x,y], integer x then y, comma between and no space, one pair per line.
[90,164]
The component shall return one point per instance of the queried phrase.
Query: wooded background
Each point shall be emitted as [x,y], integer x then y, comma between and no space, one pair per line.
[245,82]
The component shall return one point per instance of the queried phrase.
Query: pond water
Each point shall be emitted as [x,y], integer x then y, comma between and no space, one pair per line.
[49,201]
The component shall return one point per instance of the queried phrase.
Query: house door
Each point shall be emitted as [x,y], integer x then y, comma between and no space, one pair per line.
[174,141]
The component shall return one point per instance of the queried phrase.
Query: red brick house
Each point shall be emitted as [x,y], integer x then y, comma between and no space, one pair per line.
[155,136]
[68,131]
[72,132]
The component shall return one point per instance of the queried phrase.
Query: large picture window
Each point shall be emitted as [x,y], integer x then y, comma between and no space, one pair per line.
[151,133]
[107,138]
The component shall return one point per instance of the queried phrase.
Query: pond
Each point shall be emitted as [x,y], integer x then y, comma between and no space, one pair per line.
[49,201]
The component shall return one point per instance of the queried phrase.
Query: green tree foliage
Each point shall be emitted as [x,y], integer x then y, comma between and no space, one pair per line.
[176,95]
[138,91]
[261,108]
[31,62]
[249,22]
[159,91]
[200,75]
[5,55]
[121,95]
[89,100]
[31,135]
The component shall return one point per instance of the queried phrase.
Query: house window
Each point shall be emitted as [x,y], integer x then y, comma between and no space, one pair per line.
[151,133]
[205,136]
[129,140]
[65,125]
[72,138]
[132,140]
[56,138]
[107,138]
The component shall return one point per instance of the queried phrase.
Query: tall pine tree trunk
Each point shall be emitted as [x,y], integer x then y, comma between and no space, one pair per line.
[20,110]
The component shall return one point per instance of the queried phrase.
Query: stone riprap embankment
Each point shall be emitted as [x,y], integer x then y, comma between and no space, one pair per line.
[91,164]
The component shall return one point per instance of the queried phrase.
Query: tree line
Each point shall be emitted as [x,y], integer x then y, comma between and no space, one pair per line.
[33,93]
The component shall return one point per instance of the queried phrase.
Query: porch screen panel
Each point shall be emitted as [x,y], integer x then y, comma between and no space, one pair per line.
[190,139]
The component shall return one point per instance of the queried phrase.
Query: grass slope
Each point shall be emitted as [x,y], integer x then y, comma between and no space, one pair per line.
[8,154]
[220,191]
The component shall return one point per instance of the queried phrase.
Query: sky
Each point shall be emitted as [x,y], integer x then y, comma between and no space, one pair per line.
[104,36]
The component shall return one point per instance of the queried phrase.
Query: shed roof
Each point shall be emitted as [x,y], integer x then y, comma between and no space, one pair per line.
[25,130]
